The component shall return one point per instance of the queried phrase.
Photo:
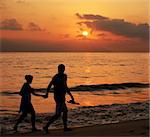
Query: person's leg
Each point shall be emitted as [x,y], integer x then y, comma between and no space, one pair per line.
[65,117]
[23,115]
[33,118]
[53,118]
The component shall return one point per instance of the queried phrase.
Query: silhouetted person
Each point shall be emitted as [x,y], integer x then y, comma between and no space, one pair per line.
[59,81]
[26,105]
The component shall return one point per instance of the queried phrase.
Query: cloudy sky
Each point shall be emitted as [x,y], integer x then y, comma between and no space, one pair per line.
[74,25]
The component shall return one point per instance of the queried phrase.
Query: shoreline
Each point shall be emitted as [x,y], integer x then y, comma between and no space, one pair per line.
[127,128]
[82,117]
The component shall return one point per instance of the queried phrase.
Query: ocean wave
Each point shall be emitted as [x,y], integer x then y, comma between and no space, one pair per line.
[6,110]
[98,87]
[8,93]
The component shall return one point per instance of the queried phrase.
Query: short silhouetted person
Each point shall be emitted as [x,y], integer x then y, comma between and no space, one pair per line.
[26,105]
[59,81]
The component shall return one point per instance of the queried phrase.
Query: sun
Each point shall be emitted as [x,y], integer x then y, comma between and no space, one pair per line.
[85,33]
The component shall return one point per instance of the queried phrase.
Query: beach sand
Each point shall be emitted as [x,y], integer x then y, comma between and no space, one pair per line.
[129,128]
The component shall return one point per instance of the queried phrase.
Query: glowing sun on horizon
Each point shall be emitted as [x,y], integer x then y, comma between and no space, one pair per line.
[85,33]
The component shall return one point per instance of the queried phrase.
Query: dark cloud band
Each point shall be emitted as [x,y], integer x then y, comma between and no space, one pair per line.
[34,27]
[10,24]
[115,26]
[13,24]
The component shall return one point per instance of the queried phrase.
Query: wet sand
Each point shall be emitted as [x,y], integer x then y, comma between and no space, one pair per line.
[129,128]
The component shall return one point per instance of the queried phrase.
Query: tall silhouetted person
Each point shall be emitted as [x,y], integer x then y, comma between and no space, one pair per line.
[26,105]
[59,81]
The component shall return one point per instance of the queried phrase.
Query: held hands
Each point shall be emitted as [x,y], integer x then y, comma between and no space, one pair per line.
[45,96]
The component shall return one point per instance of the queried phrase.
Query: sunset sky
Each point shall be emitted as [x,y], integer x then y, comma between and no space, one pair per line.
[74,25]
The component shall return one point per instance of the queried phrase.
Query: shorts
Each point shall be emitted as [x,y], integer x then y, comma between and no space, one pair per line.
[26,108]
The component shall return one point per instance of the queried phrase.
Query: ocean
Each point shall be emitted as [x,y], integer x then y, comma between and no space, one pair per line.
[109,87]
[95,78]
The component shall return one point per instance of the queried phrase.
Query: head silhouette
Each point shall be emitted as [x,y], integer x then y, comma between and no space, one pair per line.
[29,78]
[61,68]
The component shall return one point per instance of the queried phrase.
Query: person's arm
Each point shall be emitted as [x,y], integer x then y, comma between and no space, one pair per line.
[69,93]
[33,92]
[49,86]
[68,90]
